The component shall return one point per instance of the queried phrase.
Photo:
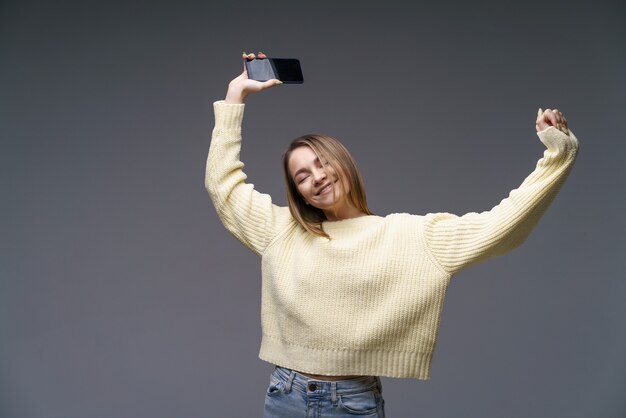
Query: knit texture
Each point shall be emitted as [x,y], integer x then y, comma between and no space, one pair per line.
[368,301]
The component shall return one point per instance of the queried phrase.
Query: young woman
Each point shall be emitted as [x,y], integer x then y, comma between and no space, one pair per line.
[348,296]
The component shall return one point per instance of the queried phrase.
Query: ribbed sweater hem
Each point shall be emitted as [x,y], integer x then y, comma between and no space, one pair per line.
[343,362]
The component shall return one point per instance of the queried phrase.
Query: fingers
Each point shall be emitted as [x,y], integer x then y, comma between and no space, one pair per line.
[244,56]
[551,117]
[251,56]
[560,122]
[270,83]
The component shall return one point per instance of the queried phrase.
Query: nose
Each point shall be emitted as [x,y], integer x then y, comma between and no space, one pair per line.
[319,174]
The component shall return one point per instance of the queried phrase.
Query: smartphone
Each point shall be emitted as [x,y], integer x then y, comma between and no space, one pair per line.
[287,70]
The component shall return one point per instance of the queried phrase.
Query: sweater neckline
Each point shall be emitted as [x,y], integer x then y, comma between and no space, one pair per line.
[350,223]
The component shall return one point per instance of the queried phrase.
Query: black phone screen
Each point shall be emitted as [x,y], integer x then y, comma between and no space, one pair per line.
[287,70]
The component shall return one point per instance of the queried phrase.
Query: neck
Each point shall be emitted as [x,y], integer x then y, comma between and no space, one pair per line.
[343,212]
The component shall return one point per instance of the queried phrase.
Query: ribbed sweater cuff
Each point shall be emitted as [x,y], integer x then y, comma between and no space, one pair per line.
[228,115]
[556,140]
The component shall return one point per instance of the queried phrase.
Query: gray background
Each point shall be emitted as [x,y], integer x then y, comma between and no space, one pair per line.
[121,295]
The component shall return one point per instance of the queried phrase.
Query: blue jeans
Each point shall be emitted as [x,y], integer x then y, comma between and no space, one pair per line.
[293,395]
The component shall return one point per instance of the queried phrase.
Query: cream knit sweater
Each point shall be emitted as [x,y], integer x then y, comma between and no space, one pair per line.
[368,301]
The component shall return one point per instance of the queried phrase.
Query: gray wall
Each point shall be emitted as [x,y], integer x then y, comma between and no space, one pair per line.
[121,295]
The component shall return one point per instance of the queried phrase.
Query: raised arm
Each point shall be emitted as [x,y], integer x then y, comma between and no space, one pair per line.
[460,241]
[249,215]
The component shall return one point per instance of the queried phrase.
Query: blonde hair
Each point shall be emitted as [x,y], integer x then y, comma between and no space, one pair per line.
[331,151]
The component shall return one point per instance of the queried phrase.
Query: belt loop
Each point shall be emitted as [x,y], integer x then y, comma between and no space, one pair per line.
[379,385]
[333,392]
[292,374]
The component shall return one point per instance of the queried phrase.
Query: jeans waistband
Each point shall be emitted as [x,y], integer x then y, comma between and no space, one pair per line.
[302,383]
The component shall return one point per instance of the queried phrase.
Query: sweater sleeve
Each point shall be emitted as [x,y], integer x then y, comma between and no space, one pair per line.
[460,241]
[249,215]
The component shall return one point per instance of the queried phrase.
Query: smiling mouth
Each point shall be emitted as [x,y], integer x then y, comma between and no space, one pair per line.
[324,189]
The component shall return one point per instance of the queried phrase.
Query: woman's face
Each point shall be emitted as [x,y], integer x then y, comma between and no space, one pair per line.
[316,181]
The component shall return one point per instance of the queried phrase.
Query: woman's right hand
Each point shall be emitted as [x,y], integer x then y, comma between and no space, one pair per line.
[241,86]
[551,117]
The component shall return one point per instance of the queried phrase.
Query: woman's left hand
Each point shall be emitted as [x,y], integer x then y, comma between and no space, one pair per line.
[551,117]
